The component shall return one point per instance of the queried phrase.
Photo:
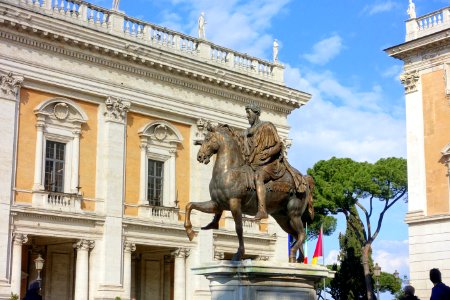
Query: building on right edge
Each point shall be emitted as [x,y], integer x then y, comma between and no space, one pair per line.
[426,78]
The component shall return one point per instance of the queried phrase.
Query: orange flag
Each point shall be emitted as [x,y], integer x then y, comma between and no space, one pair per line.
[318,251]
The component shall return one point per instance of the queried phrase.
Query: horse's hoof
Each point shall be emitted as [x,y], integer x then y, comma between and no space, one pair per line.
[190,233]
[212,225]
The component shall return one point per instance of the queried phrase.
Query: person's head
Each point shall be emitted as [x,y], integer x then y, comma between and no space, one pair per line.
[409,290]
[435,276]
[253,112]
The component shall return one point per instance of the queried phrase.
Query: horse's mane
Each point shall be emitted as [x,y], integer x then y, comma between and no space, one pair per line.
[236,134]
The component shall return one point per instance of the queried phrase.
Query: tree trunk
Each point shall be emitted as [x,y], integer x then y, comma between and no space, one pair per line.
[367,275]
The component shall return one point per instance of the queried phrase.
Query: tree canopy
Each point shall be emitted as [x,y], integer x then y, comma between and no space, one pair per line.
[354,189]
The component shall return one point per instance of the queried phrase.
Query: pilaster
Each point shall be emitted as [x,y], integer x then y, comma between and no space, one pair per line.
[9,104]
[111,188]
[415,142]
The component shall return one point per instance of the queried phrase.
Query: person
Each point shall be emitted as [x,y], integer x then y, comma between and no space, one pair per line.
[33,291]
[201,26]
[115,5]
[263,151]
[411,10]
[408,293]
[275,51]
[439,291]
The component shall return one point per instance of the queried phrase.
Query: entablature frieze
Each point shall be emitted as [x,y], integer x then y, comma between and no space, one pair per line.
[111,51]
[50,223]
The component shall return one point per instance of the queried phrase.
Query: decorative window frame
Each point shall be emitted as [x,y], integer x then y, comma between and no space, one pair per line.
[159,141]
[59,120]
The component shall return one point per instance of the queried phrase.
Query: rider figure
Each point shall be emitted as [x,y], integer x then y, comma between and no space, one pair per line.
[263,151]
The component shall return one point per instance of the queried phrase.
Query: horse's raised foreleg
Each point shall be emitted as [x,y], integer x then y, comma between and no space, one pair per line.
[235,208]
[206,207]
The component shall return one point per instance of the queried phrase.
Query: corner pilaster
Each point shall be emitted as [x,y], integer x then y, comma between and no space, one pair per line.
[9,112]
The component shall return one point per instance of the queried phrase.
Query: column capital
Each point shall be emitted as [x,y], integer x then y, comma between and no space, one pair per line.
[84,245]
[10,85]
[116,109]
[410,81]
[19,239]
[129,247]
[181,253]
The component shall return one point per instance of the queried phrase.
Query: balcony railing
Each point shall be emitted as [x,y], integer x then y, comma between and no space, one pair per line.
[160,214]
[113,22]
[249,225]
[428,24]
[66,202]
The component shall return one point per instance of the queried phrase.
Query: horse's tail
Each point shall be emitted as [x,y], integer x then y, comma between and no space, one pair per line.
[311,185]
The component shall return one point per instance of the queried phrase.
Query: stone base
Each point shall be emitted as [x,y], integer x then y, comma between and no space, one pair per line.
[258,280]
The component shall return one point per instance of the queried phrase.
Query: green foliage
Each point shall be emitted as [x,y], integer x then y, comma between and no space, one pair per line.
[14,297]
[117,298]
[353,188]
[348,282]
[388,283]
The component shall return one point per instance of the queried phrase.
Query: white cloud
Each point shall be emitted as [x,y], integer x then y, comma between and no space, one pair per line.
[325,50]
[341,121]
[392,256]
[393,71]
[332,257]
[380,7]
[239,25]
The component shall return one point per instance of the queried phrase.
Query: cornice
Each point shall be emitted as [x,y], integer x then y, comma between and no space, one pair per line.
[405,50]
[112,51]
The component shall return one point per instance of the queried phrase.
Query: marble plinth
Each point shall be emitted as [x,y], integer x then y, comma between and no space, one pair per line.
[258,280]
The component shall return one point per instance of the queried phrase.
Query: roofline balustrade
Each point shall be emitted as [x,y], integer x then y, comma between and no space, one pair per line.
[117,23]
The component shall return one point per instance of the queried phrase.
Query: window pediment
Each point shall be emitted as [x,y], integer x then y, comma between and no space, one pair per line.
[60,112]
[161,133]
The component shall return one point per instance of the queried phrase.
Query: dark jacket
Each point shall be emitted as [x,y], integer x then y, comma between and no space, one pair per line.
[33,292]
[440,292]
[409,297]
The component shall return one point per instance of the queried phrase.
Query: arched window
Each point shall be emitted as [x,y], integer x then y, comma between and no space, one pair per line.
[159,143]
[58,127]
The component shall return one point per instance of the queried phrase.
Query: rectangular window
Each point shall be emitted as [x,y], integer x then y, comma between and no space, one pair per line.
[155,182]
[54,166]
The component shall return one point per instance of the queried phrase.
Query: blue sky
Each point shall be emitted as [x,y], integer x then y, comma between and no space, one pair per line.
[333,50]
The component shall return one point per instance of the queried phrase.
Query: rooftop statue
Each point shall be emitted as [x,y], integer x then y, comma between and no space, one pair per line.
[275,51]
[115,5]
[201,26]
[411,10]
[251,175]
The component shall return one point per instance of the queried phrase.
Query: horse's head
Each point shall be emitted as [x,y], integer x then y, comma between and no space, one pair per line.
[216,137]
[209,147]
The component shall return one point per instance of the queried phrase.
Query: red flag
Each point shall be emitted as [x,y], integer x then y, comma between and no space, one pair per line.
[318,251]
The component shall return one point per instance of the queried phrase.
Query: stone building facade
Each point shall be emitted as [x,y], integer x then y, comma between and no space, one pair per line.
[99,115]
[426,79]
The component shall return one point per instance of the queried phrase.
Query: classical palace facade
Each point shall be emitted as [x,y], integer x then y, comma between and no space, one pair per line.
[426,78]
[100,114]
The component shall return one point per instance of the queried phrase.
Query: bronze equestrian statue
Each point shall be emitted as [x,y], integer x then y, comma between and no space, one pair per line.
[252,176]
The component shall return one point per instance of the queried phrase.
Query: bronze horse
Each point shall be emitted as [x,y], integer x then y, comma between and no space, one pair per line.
[229,191]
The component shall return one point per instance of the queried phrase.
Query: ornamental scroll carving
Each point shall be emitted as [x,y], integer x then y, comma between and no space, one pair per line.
[116,109]
[409,81]
[10,85]
[181,253]
[84,245]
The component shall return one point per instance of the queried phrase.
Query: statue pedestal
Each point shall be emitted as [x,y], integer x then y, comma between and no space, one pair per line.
[258,280]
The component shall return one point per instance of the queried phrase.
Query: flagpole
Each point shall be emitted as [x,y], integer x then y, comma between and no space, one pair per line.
[323,259]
